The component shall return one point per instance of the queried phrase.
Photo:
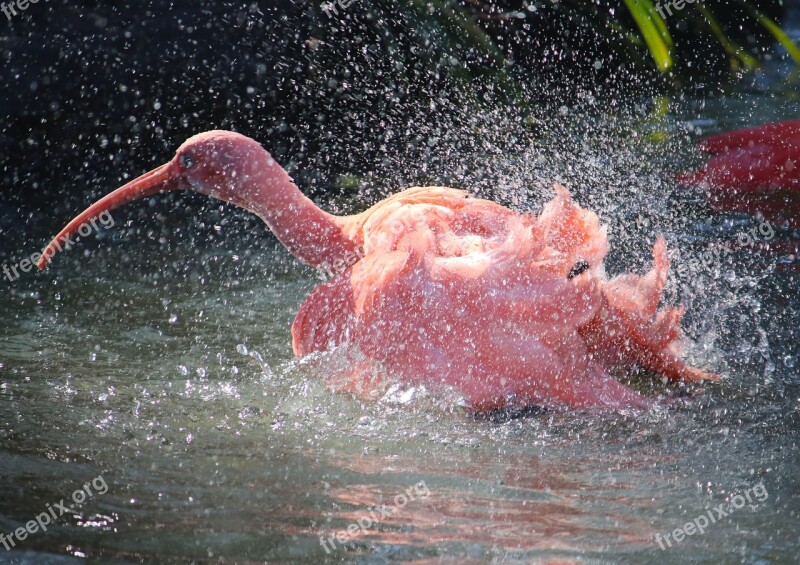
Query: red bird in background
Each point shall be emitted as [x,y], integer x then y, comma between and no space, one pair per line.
[755,169]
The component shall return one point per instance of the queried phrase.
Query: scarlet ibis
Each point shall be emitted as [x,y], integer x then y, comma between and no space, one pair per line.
[441,289]
[755,169]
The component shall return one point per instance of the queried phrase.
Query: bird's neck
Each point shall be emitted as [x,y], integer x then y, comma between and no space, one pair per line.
[309,233]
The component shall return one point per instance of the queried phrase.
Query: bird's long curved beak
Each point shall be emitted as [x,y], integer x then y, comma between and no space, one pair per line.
[161,179]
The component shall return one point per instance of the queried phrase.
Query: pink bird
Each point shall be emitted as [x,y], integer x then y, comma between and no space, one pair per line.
[753,170]
[440,289]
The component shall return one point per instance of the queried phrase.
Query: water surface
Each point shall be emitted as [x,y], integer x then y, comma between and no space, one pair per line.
[164,365]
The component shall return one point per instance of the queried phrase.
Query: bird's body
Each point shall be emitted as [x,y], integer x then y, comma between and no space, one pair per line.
[445,290]
[754,169]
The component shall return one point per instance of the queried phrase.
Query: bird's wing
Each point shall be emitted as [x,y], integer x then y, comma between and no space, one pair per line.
[389,235]
[629,330]
[640,294]
[325,318]
[462,292]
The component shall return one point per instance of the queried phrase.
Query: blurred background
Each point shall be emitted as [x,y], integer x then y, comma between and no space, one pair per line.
[96,92]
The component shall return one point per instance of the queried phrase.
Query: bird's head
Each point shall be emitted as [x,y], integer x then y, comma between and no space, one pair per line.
[219,164]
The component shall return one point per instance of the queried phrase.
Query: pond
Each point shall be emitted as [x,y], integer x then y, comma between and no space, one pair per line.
[151,408]
[159,379]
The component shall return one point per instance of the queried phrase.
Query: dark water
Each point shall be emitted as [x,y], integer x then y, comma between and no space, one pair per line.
[166,372]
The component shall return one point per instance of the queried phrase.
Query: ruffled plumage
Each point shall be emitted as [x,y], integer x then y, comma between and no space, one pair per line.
[462,292]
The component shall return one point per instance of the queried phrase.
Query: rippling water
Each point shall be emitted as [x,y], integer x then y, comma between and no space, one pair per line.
[168,372]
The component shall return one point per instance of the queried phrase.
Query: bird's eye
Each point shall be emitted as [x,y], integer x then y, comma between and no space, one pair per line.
[187,161]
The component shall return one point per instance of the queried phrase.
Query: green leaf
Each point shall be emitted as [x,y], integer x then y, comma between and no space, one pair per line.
[776,32]
[654,30]
[659,22]
[731,48]
[458,28]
